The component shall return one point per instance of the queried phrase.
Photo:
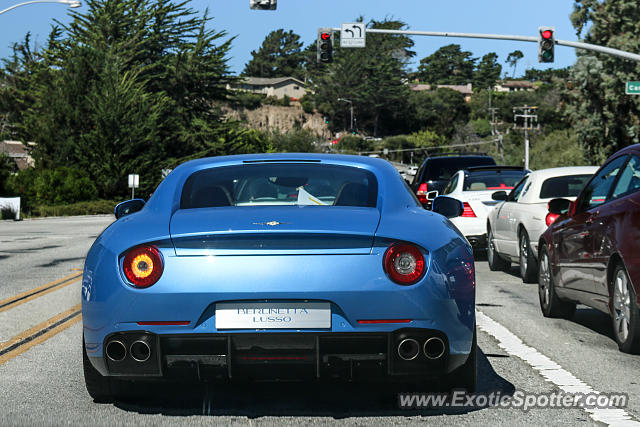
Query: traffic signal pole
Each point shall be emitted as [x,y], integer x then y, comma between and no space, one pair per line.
[577,45]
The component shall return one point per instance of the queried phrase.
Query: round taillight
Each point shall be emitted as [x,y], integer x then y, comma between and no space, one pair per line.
[143,266]
[404,263]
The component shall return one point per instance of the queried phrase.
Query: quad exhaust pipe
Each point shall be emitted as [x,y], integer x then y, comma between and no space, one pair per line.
[433,349]
[116,351]
[408,349]
[139,350]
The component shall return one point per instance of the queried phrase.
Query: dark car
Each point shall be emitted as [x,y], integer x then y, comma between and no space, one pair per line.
[591,253]
[435,171]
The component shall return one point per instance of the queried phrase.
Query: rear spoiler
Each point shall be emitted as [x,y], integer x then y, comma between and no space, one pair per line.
[496,168]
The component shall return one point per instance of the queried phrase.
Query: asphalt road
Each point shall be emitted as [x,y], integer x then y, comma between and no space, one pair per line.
[520,351]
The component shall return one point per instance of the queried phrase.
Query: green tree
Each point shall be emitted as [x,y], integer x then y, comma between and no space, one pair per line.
[7,167]
[448,65]
[280,55]
[127,86]
[438,110]
[512,59]
[604,119]
[487,72]
[547,76]
[373,78]
[556,149]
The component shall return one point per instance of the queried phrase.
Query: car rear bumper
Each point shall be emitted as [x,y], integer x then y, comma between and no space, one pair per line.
[478,242]
[277,356]
[474,229]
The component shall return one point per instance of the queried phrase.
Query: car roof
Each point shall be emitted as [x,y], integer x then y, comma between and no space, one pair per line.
[454,155]
[563,171]
[494,168]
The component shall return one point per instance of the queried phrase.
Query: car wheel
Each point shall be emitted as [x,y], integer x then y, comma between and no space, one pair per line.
[625,313]
[466,376]
[98,386]
[550,304]
[528,263]
[496,263]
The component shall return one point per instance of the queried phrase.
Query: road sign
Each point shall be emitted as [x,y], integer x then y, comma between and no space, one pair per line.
[353,34]
[134,180]
[633,88]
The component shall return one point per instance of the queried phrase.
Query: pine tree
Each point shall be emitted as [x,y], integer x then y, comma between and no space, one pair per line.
[604,118]
[280,55]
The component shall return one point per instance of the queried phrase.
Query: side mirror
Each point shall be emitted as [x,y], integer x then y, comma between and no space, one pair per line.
[559,206]
[128,207]
[499,195]
[447,206]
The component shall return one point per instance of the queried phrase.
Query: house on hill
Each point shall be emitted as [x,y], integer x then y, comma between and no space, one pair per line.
[277,87]
[17,152]
[466,90]
[514,86]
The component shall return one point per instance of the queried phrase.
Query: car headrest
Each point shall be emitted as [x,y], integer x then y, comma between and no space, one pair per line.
[352,194]
[478,186]
[211,197]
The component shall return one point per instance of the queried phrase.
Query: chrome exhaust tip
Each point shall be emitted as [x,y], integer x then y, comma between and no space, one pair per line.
[116,351]
[434,348]
[408,349]
[140,351]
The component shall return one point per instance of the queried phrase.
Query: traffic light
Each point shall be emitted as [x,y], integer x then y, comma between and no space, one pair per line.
[546,44]
[325,45]
[263,4]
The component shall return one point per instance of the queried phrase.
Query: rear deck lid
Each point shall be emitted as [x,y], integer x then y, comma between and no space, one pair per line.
[249,230]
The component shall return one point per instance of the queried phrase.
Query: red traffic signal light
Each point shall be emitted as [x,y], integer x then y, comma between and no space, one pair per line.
[325,45]
[546,44]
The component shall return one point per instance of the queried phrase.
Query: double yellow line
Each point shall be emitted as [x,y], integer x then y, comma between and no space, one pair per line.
[45,330]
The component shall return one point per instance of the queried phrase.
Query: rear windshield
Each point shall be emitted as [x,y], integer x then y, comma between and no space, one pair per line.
[492,180]
[441,169]
[280,184]
[563,186]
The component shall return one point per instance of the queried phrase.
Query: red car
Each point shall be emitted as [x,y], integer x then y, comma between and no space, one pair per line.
[591,253]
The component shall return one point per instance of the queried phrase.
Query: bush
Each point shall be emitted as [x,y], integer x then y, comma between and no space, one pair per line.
[353,143]
[307,104]
[282,102]
[247,100]
[482,127]
[64,185]
[7,213]
[23,184]
[7,167]
[94,207]
[294,141]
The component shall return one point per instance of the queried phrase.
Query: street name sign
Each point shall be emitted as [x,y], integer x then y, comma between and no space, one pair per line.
[633,88]
[353,34]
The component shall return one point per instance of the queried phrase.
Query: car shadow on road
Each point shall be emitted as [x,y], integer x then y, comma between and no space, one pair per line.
[595,320]
[335,400]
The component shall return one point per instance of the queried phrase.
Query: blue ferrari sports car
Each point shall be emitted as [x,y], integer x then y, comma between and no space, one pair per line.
[280,267]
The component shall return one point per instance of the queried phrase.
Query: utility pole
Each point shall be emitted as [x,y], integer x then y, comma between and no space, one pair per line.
[351,108]
[497,135]
[529,120]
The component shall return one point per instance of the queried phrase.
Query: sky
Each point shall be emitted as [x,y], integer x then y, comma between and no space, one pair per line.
[304,17]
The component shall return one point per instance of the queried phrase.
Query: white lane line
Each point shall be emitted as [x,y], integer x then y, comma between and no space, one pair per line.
[550,370]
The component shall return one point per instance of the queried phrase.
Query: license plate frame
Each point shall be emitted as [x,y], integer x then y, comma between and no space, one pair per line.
[273,315]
